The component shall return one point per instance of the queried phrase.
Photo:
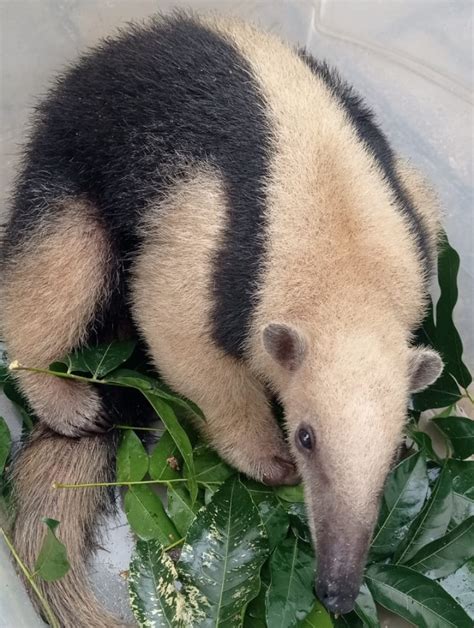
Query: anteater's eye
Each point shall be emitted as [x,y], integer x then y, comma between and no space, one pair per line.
[305,438]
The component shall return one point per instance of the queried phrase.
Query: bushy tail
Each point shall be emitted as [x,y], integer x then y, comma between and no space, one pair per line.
[46,458]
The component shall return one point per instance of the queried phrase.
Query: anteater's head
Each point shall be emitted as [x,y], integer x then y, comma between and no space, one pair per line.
[345,397]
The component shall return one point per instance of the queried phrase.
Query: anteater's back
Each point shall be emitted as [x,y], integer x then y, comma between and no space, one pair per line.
[212,178]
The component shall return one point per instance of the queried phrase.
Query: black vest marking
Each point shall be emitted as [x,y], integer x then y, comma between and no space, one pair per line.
[362,117]
[138,110]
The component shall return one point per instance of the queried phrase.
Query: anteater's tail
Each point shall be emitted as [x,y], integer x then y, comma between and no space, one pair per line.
[46,458]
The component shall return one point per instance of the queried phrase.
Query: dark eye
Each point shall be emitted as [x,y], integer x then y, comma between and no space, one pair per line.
[304,438]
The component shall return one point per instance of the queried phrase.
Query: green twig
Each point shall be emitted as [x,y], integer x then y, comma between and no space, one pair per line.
[468,396]
[143,429]
[46,607]
[14,366]
[98,484]
[178,542]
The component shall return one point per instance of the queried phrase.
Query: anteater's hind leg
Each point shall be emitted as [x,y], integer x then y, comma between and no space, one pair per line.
[54,285]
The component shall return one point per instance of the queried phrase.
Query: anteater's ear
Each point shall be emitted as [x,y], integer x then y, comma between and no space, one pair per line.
[425,366]
[285,344]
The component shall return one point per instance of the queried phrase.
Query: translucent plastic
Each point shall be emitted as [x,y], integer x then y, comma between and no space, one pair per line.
[412,60]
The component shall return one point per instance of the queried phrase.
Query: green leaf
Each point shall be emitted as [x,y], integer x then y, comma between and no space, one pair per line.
[274,518]
[433,520]
[156,598]
[404,495]
[299,521]
[462,478]
[424,443]
[290,493]
[147,517]
[290,595]
[255,612]
[257,491]
[445,555]
[177,433]
[448,339]
[163,458]
[180,509]
[318,617]
[443,392]
[460,585]
[52,562]
[225,547]
[100,360]
[208,467]
[365,608]
[133,379]
[460,431]
[5,443]
[421,601]
[132,459]
[147,384]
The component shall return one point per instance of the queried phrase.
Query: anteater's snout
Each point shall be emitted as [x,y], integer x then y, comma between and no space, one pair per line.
[337,598]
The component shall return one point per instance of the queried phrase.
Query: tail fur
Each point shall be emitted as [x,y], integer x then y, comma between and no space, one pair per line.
[48,457]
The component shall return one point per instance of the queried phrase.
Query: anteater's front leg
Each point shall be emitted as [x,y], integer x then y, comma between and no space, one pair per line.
[240,425]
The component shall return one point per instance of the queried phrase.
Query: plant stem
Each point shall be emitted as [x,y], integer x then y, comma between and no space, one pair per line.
[17,367]
[468,396]
[97,484]
[178,542]
[56,485]
[143,429]
[46,607]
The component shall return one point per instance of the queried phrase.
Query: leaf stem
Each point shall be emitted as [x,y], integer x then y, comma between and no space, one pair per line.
[97,484]
[468,396]
[56,485]
[14,366]
[178,542]
[143,429]
[46,607]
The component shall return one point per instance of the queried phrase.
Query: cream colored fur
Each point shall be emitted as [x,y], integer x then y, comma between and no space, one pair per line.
[171,305]
[50,457]
[50,295]
[340,267]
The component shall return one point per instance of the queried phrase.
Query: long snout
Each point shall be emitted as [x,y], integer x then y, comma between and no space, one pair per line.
[341,555]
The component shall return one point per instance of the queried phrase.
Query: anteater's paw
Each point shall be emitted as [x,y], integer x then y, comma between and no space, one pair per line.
[80,425]
[69,408]
[280,471]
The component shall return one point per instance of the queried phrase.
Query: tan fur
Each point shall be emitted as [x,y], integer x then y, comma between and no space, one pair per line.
[50,294]
[171,301]
[341,268]
[50,457]
[342,265]
[51,290]
[424,199]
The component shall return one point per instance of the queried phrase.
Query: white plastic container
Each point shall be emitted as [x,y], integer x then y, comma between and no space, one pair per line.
[412,59]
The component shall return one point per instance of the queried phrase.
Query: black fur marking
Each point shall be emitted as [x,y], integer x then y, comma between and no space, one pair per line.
[133,114]
[362,117]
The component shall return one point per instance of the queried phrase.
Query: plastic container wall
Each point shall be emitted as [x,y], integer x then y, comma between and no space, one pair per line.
[411,59]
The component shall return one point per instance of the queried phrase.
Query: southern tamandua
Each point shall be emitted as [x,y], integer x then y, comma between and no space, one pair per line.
[234,199]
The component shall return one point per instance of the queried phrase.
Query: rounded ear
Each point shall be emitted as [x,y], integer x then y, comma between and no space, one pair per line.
[425,366]
[285,344]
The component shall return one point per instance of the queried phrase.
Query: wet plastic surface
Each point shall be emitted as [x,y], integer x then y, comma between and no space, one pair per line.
[411,59]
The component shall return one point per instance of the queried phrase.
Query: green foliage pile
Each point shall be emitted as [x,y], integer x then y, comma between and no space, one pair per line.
[214,548]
